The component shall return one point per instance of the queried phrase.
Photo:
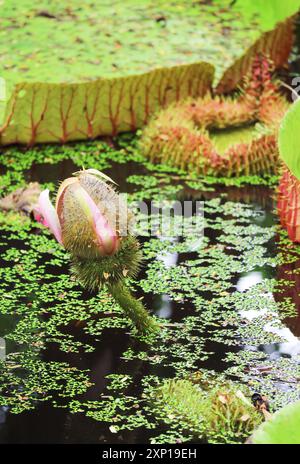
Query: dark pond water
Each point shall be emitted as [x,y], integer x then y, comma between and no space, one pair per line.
[50,421]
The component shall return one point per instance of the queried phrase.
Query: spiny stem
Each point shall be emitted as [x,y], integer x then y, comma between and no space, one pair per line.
[134,309]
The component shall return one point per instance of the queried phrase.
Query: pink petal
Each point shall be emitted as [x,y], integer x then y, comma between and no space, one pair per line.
[63,186]
[108,239]
[50,217]
[106,236]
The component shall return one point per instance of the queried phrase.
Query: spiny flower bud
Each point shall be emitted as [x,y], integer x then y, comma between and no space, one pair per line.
[89,217]
[91,220]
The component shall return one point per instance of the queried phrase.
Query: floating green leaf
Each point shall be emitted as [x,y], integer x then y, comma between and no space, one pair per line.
[268,12]
[283,428]
[289,141]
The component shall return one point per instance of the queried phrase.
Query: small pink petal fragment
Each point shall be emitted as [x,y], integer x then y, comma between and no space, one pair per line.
[48,215]
[37,215]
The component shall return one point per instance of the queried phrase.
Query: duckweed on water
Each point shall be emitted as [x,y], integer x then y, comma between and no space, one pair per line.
[15,164]
[54,330]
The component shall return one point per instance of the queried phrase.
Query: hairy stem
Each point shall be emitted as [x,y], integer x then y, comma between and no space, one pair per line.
[133,309]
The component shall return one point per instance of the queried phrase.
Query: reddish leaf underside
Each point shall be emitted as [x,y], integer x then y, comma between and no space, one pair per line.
[288,204]
[183,134]
[276,44]
[41,112]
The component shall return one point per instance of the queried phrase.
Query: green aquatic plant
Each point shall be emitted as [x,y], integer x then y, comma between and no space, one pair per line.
[93,223]
[282,428]
[215,410]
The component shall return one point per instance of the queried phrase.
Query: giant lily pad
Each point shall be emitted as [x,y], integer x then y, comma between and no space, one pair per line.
[84,87]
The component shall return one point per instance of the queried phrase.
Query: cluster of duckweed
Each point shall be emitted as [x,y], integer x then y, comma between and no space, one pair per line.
[44,310]
[18,161]
[26,380]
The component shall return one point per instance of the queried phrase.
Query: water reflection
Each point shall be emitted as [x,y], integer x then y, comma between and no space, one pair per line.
[3,413]
[51,172]
[289,349]
[247,281]
[169,259]
[287,329]
[166,307]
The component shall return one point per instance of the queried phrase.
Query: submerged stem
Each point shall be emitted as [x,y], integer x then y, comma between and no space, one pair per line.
[133,308]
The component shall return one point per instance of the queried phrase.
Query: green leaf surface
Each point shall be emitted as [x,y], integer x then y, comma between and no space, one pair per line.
[268,12]
[289,140]
[283,428]
[75,41]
